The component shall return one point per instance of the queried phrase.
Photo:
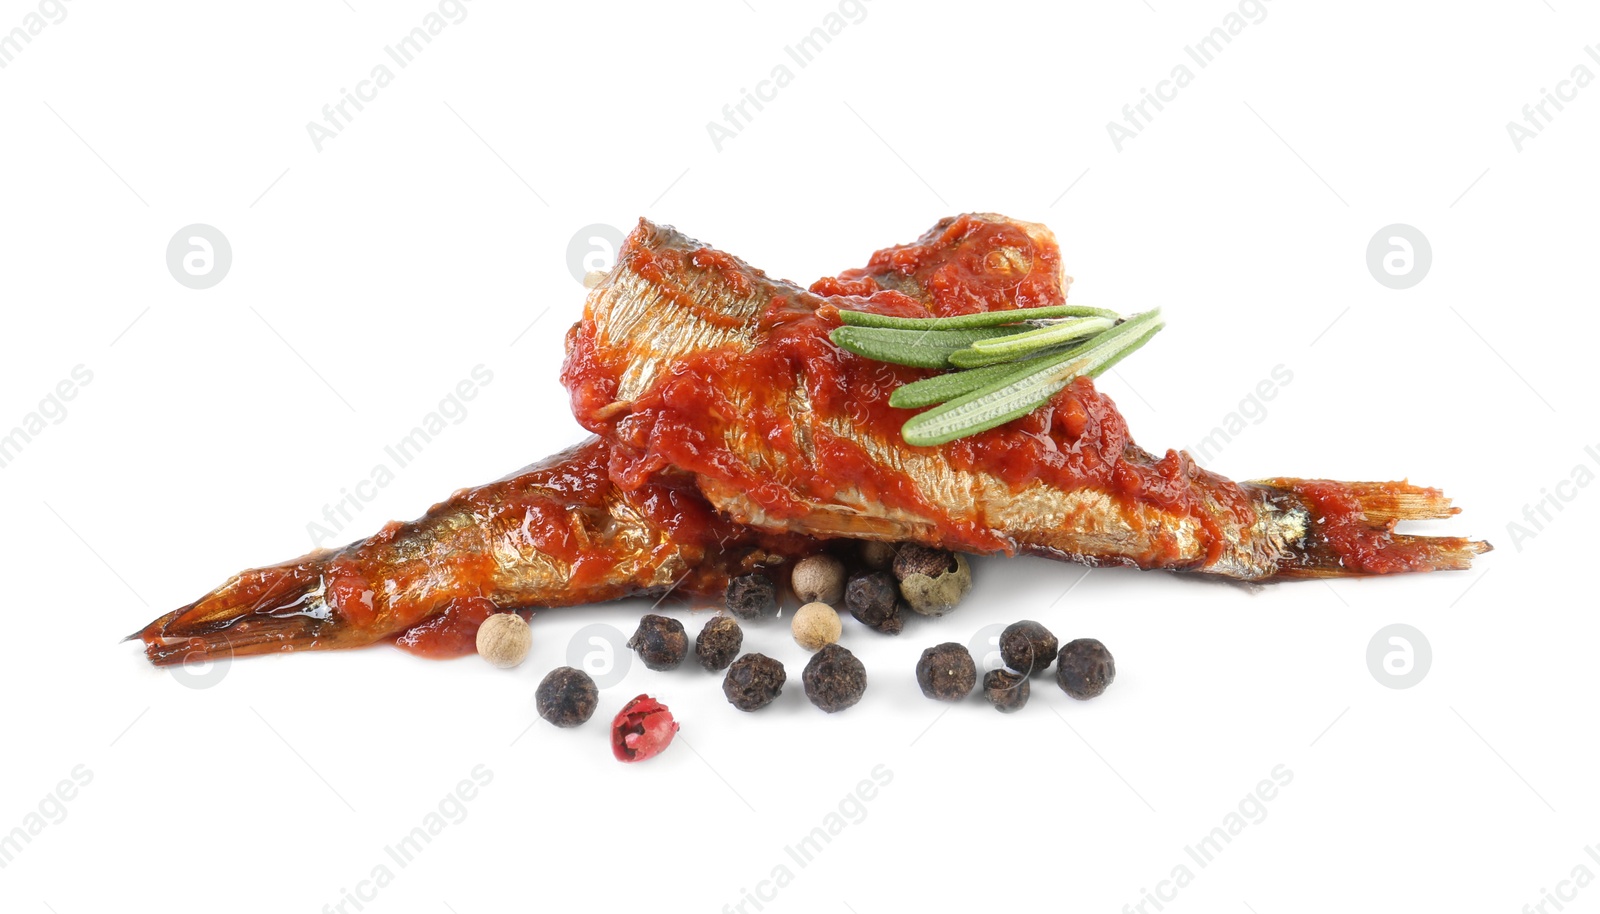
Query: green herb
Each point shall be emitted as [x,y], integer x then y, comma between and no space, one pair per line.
[1013,396]
[967,321]
[952,384]
[1029,385]
[1011,362]
[1027,343]
[918,348]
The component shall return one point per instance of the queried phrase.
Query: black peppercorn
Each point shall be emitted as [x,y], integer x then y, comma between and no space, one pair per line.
[834,679]
[874,599]
[1085,668]
[1006,690]
[753,682]
[751,596]
[660,642]
[718,643]
[567,697]
[946,672]
[1028,647]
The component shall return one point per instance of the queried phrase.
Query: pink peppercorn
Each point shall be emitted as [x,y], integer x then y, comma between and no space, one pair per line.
[642,729]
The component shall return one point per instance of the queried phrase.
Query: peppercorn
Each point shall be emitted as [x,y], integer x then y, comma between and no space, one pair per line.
[932,581]
[753,682]
[1027,647]
[1006,690]
[566,697]
[834,679]
[503,639]
[1084,668]
[946,672]
[874,599]
[814,625]
[750,596]
[642,729]
[660,642]
[877,554]
[913,559]
[718,643]
[818,579]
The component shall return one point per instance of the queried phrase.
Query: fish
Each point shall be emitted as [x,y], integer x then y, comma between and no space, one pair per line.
[730,436]
[557,533]
[691,361]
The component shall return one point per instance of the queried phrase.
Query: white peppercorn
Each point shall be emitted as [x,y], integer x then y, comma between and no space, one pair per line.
[818,579]
[815,626]
[504,640]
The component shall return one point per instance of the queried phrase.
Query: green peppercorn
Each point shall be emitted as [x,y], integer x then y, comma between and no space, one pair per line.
[932,581]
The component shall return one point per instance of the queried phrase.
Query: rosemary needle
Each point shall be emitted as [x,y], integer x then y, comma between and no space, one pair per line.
[967,321]
[952,384]
[920,348]
[1026,343]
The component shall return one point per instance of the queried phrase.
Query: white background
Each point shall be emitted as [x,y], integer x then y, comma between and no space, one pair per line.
[372,276]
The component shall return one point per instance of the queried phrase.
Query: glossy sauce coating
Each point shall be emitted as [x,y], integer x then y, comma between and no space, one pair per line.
[693,416]
[737,384]
[556,534]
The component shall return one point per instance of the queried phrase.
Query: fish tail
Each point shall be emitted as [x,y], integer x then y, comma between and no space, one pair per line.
[1350,530]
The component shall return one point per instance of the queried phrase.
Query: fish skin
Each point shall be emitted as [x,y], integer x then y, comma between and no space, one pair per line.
[674,313]
[557,533]
[475,545]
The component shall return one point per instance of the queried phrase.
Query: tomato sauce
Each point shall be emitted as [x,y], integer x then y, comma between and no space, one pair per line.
[1345,539]
[560,511]
[719,405]
[963,265]
[451,633]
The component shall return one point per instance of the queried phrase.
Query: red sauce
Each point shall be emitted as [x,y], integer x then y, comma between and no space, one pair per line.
[667,268]
[963,265]
[685,418]
[719,411]
[349,593]
[451,633]
[1345,539]
[563,509]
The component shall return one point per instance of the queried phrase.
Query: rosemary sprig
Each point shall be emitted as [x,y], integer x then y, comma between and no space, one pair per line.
[966,321]
[1028,385]
[1009,363]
